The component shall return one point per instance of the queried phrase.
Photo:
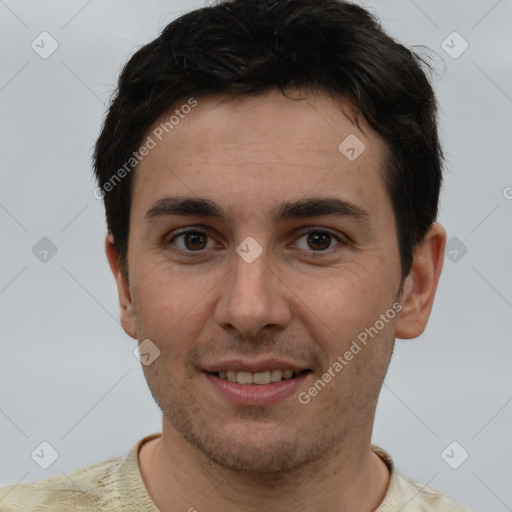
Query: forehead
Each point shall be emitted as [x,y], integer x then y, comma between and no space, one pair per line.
[262,148]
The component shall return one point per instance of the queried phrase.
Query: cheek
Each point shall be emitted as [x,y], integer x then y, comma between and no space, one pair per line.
[339,308]
[163,294]
[166,308]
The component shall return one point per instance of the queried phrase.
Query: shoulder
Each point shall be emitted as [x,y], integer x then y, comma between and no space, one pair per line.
[419,496]
[406,494]
[92,487]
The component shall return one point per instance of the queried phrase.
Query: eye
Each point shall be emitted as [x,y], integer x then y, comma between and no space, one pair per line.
[193,240]
[319,240]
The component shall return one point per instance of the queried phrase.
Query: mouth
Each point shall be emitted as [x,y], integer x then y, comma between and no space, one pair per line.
[259,378]
[255,389]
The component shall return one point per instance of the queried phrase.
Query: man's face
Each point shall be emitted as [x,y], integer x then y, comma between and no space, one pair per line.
[318,282]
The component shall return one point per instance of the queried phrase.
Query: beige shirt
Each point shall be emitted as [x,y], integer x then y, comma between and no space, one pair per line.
[116,485]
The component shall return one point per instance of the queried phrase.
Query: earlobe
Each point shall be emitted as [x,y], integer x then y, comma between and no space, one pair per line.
[421,284]
[123,288]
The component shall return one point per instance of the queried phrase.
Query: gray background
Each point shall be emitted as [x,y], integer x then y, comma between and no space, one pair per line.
[68,373]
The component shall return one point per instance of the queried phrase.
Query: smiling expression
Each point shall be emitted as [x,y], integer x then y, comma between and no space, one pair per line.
[258,248]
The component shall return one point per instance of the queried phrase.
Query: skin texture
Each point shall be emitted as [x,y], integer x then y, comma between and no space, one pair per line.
[301,300]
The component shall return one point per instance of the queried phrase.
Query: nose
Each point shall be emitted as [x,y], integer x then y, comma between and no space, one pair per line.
[253,297]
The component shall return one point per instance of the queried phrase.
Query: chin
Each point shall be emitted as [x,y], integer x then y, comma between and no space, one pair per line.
[254,443]
[245,456]
[259,449]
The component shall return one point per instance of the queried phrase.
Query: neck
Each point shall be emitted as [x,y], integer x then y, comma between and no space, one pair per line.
[180,477]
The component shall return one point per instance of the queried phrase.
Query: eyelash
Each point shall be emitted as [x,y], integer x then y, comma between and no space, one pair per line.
[341,241]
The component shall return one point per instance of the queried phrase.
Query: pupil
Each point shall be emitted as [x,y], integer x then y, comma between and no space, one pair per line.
[195,237]
[313,238]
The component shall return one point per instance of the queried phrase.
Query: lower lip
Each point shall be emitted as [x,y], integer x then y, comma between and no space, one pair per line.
[256,394]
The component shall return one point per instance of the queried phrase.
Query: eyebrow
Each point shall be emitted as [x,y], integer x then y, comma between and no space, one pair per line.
[303,208]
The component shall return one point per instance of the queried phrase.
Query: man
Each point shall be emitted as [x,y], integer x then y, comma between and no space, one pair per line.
[271,173]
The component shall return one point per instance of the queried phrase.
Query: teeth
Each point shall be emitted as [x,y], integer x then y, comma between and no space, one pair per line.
[244,378]
[276,375]
[261,377]
[265,377]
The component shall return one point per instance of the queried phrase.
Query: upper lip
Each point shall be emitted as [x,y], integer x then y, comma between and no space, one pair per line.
[244,365]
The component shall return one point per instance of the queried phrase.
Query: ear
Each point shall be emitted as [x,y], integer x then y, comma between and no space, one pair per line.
[421,284]
[123,288]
